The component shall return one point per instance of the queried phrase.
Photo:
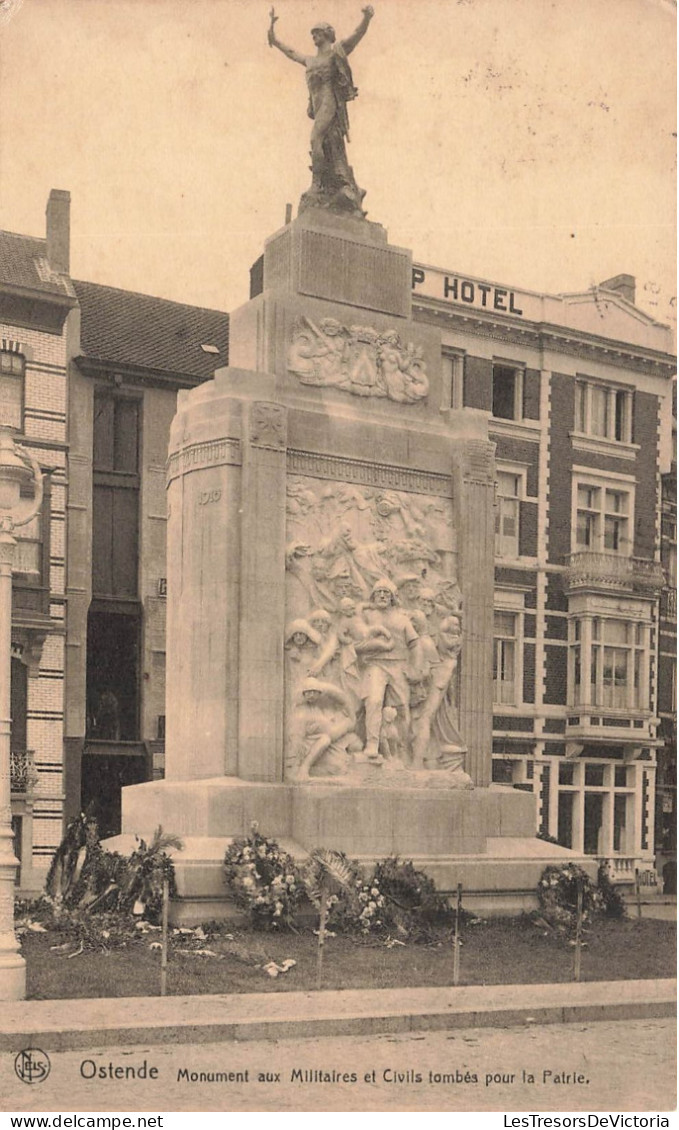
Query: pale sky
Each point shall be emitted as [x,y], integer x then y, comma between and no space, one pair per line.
[530,142]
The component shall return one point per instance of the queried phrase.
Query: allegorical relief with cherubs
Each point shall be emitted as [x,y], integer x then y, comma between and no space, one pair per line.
[372,638]
[357,359]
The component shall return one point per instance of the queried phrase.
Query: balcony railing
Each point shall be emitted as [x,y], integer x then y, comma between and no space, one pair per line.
[623,869]
[22,772]
[613,571]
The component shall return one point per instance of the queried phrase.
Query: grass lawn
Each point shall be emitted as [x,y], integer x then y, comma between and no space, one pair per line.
[495,951]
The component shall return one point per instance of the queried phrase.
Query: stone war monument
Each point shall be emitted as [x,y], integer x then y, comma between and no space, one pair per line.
[330,570]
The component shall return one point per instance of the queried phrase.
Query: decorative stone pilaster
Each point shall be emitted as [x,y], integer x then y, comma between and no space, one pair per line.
[203,563]
[262,592]
[474,502]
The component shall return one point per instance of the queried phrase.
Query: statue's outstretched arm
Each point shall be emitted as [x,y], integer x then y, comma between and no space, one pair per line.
[274,42]
[352,40]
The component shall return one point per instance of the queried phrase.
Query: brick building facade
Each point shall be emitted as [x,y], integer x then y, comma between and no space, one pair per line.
[577,389]
[135,352]
[90,375]
[666,798]
[37,326]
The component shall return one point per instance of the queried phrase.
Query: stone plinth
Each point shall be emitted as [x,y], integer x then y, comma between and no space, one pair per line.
[366,822]
[323,255]
[481,838]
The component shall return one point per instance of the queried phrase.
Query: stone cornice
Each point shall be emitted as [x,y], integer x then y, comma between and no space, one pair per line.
[542,335]
[48,297]
[341,468]
[136,374]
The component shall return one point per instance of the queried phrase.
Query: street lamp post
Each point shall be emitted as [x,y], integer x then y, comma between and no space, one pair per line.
[17,469]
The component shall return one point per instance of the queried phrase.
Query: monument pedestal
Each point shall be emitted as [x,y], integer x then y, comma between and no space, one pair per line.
[480,838]
[330,588]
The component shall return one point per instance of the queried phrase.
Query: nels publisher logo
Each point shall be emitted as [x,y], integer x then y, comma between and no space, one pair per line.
[32,1065]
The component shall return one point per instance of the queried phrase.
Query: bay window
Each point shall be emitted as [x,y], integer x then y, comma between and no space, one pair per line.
[608,663]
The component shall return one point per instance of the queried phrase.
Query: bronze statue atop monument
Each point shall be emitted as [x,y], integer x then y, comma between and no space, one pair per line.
[331,86]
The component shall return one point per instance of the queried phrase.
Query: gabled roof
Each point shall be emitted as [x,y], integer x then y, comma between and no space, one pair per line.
[125,328]
[24,266]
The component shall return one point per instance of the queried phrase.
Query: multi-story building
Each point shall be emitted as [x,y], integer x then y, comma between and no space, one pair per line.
[666,798]
[38,319]
[135,352]
[89,375]
[577,389]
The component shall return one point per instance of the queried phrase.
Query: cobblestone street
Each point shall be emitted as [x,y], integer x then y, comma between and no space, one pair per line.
[609,1066]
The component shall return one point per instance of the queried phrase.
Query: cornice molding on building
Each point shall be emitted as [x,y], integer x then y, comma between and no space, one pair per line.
[549,337]
[529,430]
[136,374]
[598,446]
[42,444]
[48,297]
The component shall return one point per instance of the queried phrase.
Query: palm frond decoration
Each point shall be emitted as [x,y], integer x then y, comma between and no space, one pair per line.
[327,870]
[162,840]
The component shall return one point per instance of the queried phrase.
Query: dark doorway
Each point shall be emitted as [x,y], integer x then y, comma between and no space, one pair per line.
[18,705]
[594,810]
[565,826]
[103,777]
[113,676]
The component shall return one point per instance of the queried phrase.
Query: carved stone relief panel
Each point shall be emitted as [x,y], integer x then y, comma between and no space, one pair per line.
[357,359]
[373,630]
[268,425]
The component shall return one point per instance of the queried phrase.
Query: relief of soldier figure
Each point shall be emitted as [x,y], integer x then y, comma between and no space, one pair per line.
[373,638]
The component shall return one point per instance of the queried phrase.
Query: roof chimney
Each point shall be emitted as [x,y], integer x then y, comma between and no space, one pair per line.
[58,215]
[623,284]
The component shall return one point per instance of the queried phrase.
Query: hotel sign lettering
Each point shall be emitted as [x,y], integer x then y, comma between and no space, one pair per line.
[475,293]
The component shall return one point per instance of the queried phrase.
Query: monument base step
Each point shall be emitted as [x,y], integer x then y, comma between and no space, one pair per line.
[363,821]
[502,880]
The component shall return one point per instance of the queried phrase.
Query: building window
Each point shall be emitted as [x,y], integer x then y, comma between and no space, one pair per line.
[29,549]
[603,412]
[617,664]
[621,804]
[603,519]
[608,663]
[18,706]
[575,659]
[116,433]
[505,653]
[31,584]
[115,496]
[12,369]
[507,392]
[510,489]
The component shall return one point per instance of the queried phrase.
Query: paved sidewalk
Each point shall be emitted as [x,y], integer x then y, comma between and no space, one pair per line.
[69,1024]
